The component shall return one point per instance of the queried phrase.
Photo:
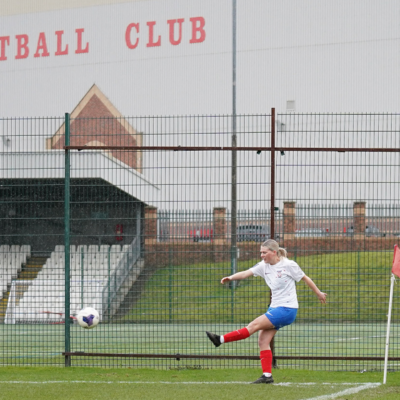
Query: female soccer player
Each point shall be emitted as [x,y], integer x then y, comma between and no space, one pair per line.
[280,274]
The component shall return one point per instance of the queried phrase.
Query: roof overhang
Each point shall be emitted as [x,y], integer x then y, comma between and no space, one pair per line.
[88,164]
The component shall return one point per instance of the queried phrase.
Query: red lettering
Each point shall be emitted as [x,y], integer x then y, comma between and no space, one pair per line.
[4,40]
[22,46]
[198,28]
[79,48]
[59,51]
[128,36]
[171,23]
[151,35]
[42,45]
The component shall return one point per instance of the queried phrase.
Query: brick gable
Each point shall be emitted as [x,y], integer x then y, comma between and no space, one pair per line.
[95,121]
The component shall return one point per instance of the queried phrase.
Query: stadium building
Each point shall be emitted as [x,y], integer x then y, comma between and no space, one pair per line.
[174,58]
[123,61]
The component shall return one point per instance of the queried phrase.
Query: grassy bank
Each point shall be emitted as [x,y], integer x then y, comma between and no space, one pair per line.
[357,285]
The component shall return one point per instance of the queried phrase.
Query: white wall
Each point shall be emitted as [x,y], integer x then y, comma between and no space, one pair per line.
[334,56]
[328,56]
[17,7]
[182,79]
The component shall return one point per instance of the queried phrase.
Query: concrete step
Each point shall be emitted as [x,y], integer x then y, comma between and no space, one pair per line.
[29,271]
[32,267]
[3,306]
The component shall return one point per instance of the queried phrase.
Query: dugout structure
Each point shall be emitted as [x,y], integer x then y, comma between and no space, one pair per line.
[325,186]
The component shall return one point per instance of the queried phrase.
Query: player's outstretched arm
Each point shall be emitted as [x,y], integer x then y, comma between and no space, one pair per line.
[237,277]
[321,296]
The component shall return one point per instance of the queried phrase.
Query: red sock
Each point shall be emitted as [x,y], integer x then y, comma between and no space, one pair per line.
[266,361]
[236,335]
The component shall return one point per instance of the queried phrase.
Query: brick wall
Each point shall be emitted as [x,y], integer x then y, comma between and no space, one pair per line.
[289,219]
[164,254]
[150,225]
[184,253]
[359,219]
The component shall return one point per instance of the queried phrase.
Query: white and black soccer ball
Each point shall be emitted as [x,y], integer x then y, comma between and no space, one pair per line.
[88,318]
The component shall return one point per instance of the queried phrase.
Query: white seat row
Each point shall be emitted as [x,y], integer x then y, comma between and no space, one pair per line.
[5,248]
[96,265]
[14,263]
[45,299]
[91,248]
[11,260]
[12,256]
[96,259]
[99,259]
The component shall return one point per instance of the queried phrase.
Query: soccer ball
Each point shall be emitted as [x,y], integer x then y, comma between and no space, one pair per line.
[88,318]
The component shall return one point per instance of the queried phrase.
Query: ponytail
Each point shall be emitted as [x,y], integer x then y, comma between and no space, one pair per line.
[282,253]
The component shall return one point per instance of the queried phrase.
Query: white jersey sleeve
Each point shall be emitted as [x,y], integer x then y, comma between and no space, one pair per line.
[258,269]
[294,270]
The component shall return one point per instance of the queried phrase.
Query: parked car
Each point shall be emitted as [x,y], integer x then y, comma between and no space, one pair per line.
[373,231]
[370,231]
[311,232]
[252,233]
[202,235]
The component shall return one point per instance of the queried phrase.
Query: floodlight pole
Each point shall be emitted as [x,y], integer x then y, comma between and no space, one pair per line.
[234,152]
[272,212]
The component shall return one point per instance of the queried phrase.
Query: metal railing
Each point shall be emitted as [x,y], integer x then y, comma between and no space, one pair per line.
[116,277]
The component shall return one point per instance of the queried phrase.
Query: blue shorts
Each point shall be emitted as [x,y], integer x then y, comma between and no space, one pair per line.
[281,316]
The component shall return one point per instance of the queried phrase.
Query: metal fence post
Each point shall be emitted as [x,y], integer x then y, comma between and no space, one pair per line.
[108,284]
[67,310]
[358,286]
[82,276]
[170,284]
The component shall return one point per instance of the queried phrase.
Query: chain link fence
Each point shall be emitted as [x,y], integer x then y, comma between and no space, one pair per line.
[140,218]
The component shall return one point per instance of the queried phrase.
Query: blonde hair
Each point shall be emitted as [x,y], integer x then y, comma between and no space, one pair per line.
[274,246]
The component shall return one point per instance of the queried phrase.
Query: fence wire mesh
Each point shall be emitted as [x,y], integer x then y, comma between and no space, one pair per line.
[140,218]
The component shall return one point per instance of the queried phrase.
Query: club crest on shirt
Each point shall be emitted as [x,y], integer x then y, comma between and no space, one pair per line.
[279,274]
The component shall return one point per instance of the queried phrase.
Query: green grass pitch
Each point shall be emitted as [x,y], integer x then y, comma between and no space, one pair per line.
[180,303]
[99,383]
[42,345]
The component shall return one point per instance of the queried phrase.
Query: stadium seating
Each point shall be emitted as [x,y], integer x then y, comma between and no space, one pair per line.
[11,260]
[44,300]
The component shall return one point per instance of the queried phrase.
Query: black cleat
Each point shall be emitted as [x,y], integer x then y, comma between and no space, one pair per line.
[214,338]
[264,379]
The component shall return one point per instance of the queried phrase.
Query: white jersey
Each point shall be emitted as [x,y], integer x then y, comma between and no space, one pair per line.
[281,279]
